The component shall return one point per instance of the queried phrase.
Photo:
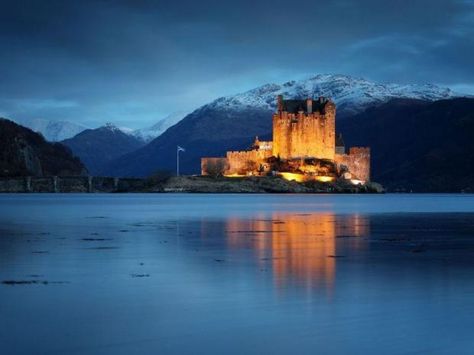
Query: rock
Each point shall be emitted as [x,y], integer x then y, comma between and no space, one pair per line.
[375,187]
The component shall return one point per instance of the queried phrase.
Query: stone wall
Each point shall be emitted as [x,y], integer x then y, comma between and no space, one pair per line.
[70,184]
[357,161]
[305,135]
[248,162]
[13,185]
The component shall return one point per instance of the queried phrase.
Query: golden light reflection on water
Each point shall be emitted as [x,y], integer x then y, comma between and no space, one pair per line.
[300,248]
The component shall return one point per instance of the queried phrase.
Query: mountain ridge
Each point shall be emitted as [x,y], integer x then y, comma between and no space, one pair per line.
[96,147]
[351,94]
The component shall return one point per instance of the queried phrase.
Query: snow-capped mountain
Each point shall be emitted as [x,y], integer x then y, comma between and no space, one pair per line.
[150,133]
[350,94]
[53,131]
[232,122]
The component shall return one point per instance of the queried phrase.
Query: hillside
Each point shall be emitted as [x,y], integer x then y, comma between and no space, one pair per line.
[416,145]
[24,152]
[231,123]
[97,147]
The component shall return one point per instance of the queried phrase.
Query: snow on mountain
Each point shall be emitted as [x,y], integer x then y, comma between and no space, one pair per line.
[112,127]
[350,94]
[150,133]
[127,130]
[53,131]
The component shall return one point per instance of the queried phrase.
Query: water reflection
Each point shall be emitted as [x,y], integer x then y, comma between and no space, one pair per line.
[299,248]
[236,274]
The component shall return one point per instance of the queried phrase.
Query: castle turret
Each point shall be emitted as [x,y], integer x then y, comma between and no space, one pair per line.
[309,106]
[280,103]
[340,146]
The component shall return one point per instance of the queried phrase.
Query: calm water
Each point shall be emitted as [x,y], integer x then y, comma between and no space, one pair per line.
[236,274]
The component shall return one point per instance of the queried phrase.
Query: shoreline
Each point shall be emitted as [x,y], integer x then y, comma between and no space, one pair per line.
[181,184]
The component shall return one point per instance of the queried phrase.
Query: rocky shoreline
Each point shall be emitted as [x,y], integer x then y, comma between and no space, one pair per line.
[189,184]
[203,184]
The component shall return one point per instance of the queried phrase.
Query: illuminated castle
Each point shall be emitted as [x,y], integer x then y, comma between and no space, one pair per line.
[304,147]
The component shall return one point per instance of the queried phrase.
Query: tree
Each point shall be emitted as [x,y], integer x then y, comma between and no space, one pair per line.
[215,167]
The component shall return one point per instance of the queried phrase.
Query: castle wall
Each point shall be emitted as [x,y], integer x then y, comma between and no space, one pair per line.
[244,162]
[357,161]
[305,135]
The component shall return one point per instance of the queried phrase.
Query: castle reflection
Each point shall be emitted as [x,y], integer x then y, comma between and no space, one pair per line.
[299,248]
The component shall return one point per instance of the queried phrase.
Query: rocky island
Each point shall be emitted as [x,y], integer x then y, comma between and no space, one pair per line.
[192,184]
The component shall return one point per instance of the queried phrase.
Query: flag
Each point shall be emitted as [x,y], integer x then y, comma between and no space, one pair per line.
[181,149]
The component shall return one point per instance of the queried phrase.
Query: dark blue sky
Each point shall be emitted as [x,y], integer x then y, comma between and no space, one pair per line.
[134,61]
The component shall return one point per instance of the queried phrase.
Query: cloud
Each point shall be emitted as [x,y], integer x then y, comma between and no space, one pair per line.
[133,62]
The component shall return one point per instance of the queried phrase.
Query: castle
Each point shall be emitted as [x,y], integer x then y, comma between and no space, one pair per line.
[304,147]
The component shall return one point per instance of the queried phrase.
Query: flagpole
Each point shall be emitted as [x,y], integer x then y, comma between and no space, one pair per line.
[178,149]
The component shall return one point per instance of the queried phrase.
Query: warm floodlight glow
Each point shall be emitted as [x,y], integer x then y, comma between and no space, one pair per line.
[324,178]
[293,177]
[305,177]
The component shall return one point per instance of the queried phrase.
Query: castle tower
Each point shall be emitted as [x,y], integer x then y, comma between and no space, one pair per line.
[304,129]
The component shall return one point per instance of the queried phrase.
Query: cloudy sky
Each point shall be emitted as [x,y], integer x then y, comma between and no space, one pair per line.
[134,61]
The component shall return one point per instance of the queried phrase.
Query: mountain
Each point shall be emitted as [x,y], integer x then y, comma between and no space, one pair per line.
[150,133]
[418,145]
[97,147]
[26,153]
[53,131]
[351,95]
[231,123]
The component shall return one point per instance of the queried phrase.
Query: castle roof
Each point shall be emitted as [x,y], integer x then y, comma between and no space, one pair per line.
[294,106]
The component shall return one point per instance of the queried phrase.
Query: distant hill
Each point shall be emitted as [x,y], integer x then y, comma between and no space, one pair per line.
[232,122]
[97,147]
[26,153]
[53,131]
[418,145]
